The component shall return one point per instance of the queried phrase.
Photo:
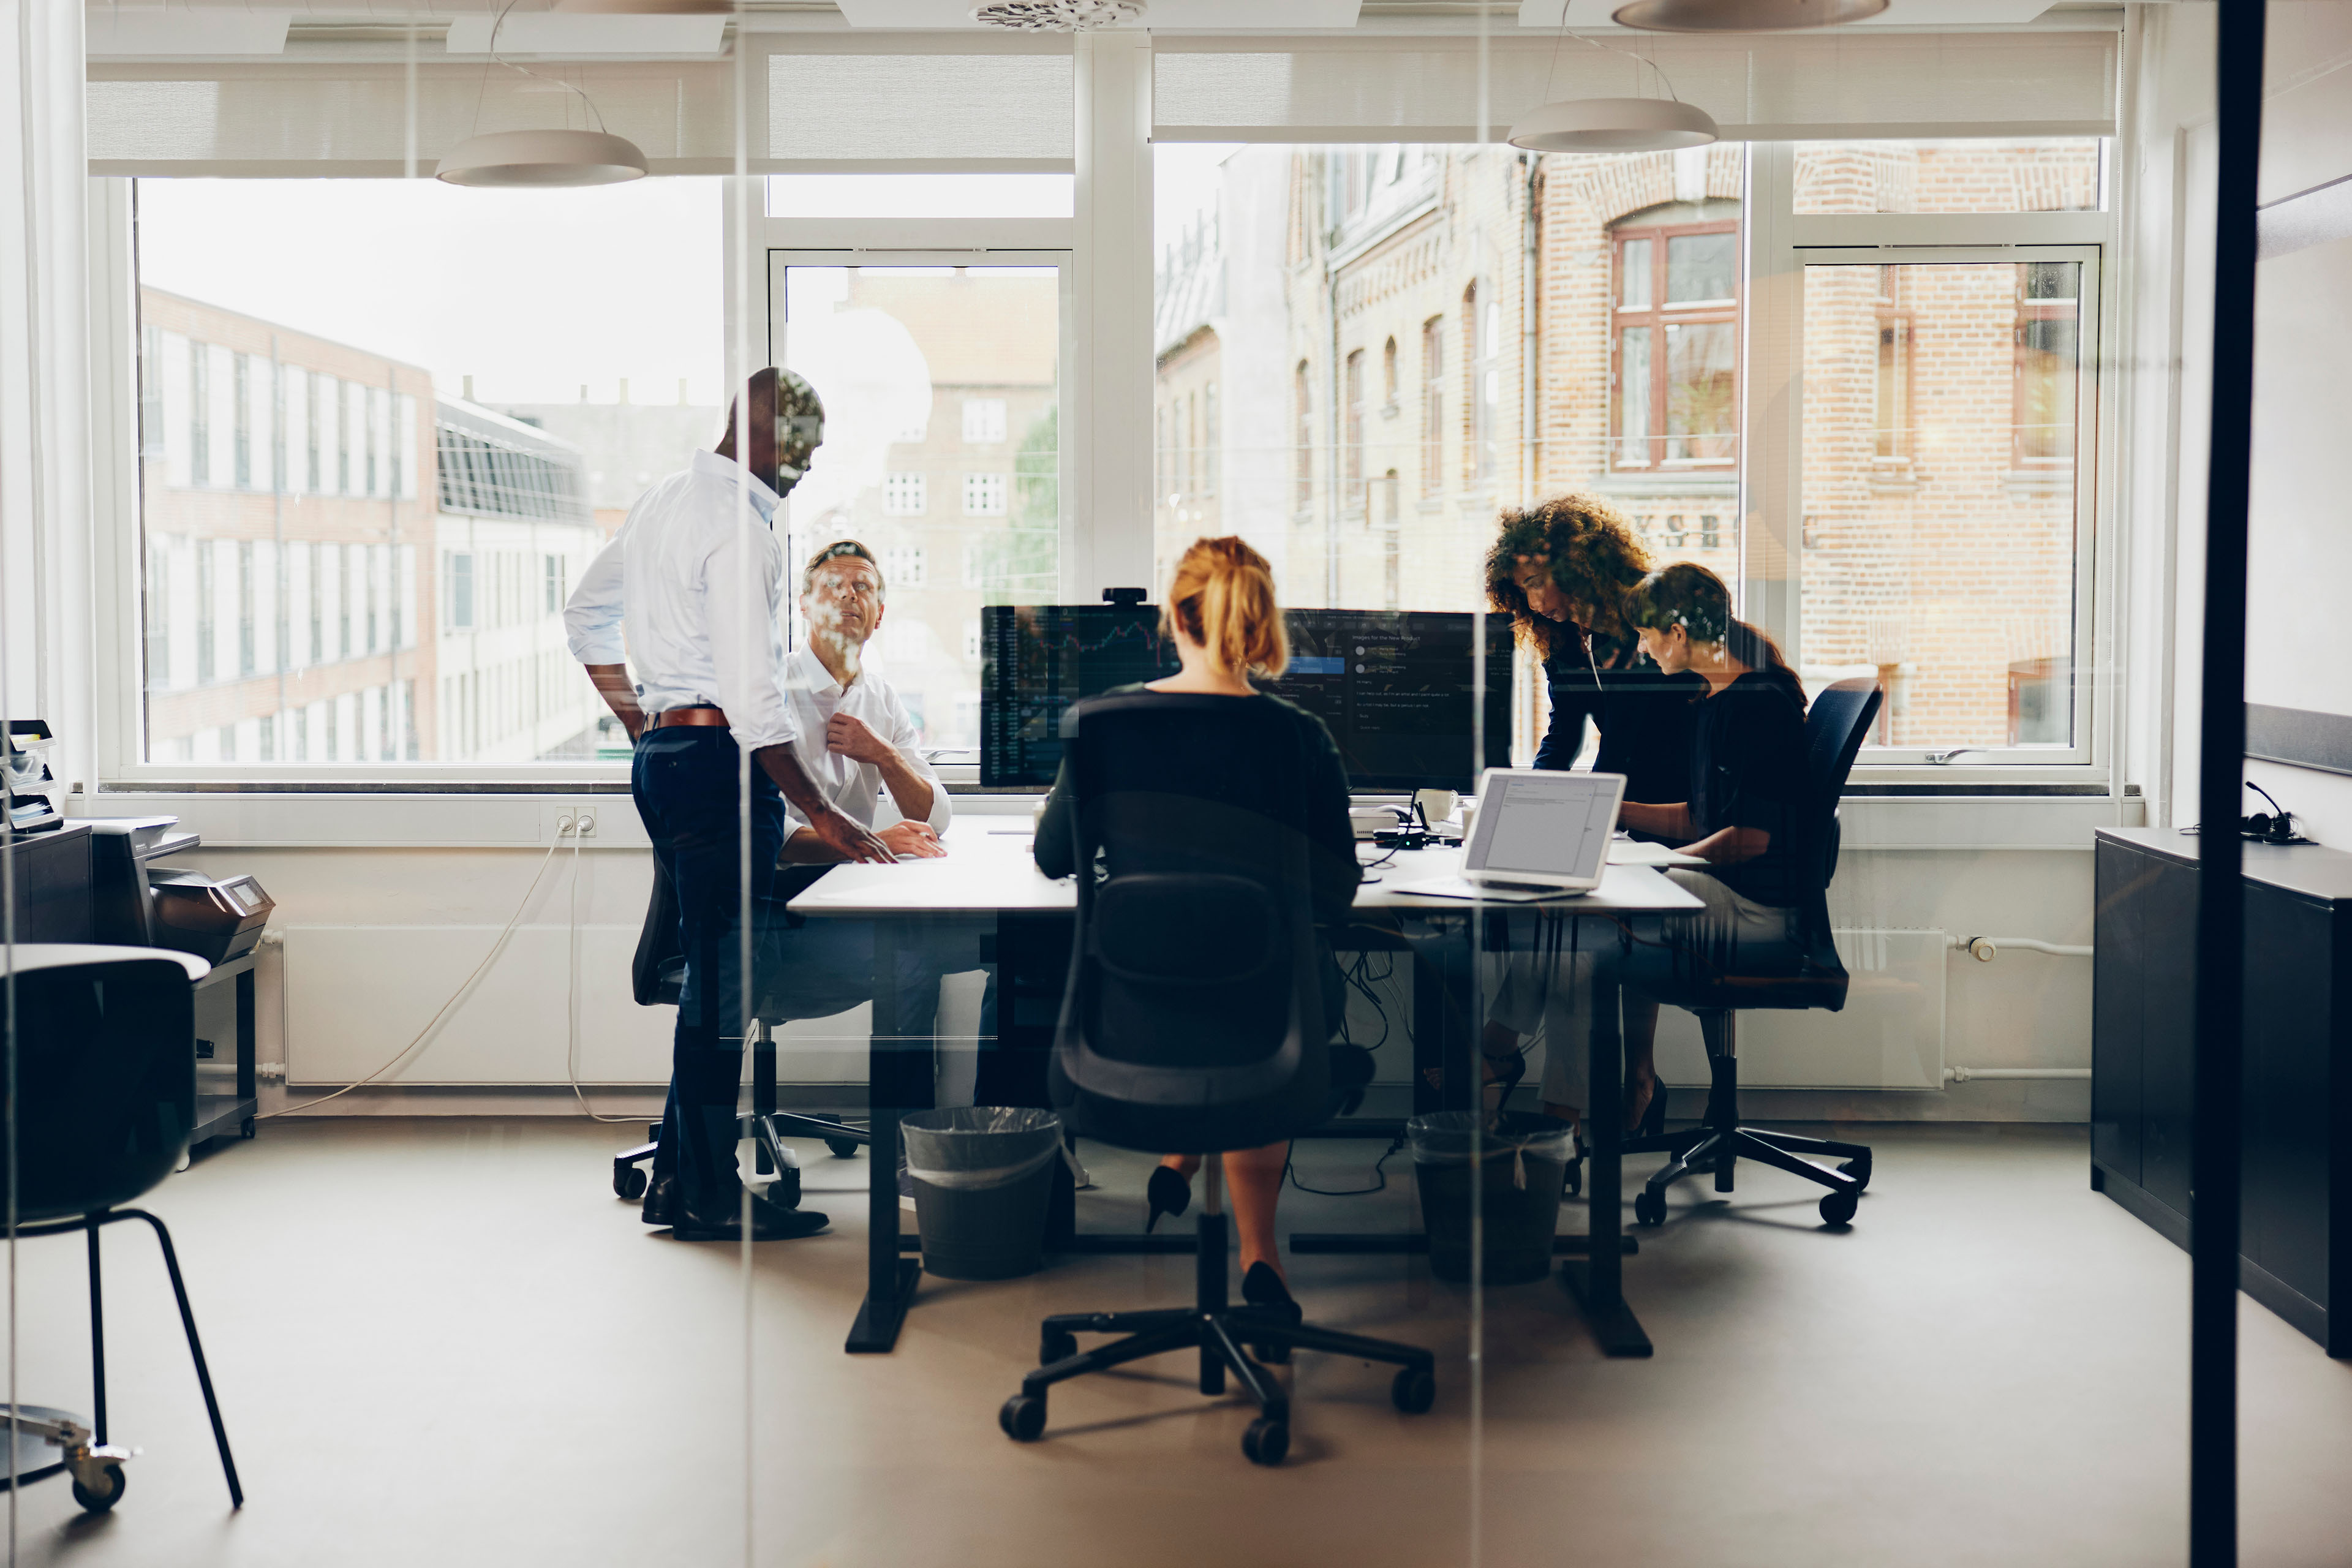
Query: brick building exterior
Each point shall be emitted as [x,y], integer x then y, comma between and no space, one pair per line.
[1372,314]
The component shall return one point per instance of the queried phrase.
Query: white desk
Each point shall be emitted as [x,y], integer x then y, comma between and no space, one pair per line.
[988,872]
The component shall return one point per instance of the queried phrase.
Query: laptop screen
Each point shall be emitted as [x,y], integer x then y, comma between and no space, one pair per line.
[1557,825]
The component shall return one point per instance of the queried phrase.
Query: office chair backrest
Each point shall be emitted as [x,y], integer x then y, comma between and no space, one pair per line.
[1192,1019]
[106,1073]
[1836,726]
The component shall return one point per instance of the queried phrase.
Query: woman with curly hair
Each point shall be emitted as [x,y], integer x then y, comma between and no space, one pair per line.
[1562,571]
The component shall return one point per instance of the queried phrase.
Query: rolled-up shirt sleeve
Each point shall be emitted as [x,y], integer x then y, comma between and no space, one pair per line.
[591,617]
[741,582]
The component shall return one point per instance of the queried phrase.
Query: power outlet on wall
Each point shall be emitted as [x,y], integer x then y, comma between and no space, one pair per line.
[575,825]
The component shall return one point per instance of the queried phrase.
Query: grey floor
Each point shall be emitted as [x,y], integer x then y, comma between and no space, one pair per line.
[443,1343]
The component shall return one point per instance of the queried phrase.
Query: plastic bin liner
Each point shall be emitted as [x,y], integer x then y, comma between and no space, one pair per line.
[1448,1138]
[974,1147]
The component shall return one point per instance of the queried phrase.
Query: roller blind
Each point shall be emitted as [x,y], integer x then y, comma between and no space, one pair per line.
[815,103]
[1757,88]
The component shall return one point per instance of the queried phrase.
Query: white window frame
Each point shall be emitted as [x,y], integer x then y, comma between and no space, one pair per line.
[1779,244]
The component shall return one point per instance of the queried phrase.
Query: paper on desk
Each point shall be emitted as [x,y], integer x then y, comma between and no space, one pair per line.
[1633,852]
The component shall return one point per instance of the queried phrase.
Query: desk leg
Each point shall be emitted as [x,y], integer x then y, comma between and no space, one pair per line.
[889,1279]
[1596,1279]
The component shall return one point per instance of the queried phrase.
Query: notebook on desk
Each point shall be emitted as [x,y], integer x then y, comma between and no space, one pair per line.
[1540,834]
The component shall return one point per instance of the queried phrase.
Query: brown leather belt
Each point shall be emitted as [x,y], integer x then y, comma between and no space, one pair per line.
[700,715]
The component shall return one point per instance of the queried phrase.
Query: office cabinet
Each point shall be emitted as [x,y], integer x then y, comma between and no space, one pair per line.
[2296,1240]
[50,874]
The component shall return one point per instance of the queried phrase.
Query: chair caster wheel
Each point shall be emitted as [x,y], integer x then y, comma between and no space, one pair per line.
[785,1191]
[1056,1344]
[843,1148]
[1023,1416]
[628,1183]
[100,1501]
[1415,1390]
[1266,1442]
[1649,1207]
[1838,1207]
[1859,1169]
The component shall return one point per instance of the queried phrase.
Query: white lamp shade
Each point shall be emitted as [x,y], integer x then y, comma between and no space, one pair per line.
[1742,15]
[1613,125]
[542,158]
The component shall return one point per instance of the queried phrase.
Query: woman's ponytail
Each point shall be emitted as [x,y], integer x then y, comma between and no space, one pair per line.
[1222,596]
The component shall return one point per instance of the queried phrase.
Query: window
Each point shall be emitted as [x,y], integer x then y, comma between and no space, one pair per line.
[200,410]
[242,448]
[150,394]
[1213,439]
[984,340]
[207,610]
[1432,406]
[1352,437]
[983,495]
[1388,376]
[1945,544]
[457,588]
[1302,456]
[983,421]
[158,618]
[552,576]
[320,398]
[245,648]
[2046,361]
[1676,334]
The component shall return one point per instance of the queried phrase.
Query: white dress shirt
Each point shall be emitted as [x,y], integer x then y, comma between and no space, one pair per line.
[688,590]
[855,787]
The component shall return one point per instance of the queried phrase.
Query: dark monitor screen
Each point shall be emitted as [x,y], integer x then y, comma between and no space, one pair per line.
[1393,685]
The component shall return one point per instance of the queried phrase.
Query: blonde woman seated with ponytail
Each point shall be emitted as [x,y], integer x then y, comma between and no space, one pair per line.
[1221,614]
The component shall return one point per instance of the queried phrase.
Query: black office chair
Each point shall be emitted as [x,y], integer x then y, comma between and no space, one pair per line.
[1835,728]
[656,974]
[106,1095]
[1193,1019]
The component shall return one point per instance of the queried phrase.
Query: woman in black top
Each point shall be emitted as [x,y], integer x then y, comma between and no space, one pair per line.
[1743,808]
[1561,571]
[1222,616]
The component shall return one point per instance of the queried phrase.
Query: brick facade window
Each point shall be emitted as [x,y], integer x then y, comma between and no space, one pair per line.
[2047,294]
[1303,451]
[1674,337]
[1351,440]
[1892,444]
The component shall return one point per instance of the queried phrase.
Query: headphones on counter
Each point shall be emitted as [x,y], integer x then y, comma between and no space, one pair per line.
[2275,825]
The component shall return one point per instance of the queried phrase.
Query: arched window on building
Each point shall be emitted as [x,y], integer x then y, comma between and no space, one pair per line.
[1674,337]
[1389,377]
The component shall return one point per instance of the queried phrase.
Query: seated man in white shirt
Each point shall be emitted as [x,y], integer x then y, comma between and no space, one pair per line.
[857,740]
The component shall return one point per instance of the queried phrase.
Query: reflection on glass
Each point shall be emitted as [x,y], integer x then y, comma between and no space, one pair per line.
[1633,397]
[1939,496]
[942,455]
[1633,276]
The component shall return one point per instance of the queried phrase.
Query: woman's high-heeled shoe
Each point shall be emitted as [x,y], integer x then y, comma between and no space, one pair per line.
[1167,1193]
[1263,1289]
[1653,1119]
[1504,1075]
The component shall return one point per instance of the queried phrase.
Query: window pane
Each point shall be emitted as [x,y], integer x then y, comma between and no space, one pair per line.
[942,455]
[1702,267]
[1939,496]
[1701,419]
[1633,276]
[391,443]
[1633,397]
[2044,175]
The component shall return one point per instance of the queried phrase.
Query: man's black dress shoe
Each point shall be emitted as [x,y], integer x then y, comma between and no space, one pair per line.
[768,1223]
[661,1201]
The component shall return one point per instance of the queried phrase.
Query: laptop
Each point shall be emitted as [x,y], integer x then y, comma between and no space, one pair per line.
[1538,835]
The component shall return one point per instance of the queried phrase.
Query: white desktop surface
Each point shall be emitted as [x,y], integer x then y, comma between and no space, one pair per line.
[988,870]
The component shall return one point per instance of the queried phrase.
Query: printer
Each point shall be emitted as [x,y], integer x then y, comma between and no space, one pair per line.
[218,919]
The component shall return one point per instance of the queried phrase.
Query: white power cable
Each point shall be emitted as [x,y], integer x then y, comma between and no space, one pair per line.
[433,1023]
[571,992]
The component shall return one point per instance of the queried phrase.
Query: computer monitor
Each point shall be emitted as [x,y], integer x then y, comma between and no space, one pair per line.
[1394,686]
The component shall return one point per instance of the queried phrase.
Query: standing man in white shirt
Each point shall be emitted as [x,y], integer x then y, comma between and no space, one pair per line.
[691,587]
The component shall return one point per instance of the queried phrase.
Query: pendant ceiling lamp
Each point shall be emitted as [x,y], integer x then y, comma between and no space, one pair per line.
[1612,124]
[1743,15]
[544,158]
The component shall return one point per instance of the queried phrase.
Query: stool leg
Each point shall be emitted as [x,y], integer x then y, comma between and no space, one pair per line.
[195,1353]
